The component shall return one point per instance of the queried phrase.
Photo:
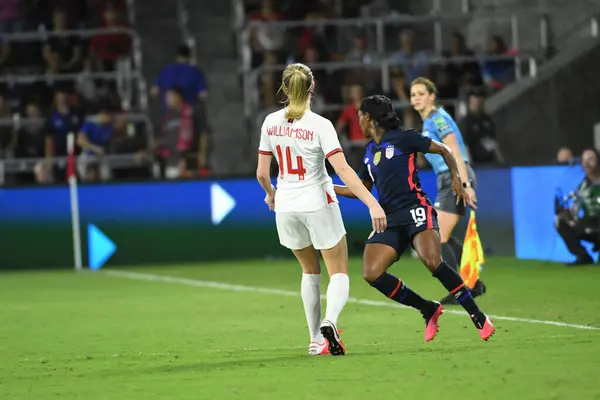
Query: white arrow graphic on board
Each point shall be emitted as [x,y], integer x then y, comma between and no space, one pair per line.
[221,203]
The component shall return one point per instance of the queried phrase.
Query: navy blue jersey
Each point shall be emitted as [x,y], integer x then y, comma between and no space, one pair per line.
[58,126]
[391,166]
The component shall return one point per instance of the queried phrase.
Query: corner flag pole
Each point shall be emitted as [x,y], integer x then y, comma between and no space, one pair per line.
[74,200]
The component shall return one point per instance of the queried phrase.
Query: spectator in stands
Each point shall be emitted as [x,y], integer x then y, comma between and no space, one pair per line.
[564,155]
[265,39]
[43,172]
[94,139]
[8,137]
[30,134]
[316,36]
[76,11]
[352,8]
[61,52]
[348,122]
[369,75]
[361,51]
[399,92]
[447,89]
[376,8]
[119,6]
[414,62]
[348,118]
[62,120]
[181,73]
[107,48]
[30,142]
[479,132]
[89,89]
[462,73]
[498,73]
[5,51]
[268,82]
[125,141]
[326,88]
[183,138]
[12,16]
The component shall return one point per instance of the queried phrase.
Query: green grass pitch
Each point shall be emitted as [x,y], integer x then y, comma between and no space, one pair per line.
[166,332]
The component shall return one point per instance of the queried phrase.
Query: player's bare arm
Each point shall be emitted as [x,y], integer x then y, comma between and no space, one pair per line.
[341,190]
[263,177]
[450,141]
[355,186]
[457,182]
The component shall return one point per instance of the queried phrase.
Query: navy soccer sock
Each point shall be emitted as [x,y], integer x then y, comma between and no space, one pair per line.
[396,290]
[455,285]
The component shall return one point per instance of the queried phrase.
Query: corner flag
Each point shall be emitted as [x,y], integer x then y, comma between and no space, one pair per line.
[471,261]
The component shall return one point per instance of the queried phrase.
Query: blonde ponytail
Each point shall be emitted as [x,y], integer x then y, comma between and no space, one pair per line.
[296,83]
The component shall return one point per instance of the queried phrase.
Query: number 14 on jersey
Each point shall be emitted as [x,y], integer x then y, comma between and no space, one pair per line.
[300,171]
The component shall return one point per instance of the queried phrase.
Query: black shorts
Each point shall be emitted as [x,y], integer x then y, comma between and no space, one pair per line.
[446,200]
[412,221]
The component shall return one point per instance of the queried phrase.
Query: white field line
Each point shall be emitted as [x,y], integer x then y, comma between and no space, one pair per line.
[290,293]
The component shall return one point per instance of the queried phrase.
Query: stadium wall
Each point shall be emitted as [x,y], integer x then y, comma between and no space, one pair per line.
[170,222]
[534,117]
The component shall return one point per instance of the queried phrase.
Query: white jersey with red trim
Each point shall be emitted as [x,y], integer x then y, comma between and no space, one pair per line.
[300,147]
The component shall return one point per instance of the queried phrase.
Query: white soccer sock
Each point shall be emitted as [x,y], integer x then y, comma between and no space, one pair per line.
[337,296]
[311,297]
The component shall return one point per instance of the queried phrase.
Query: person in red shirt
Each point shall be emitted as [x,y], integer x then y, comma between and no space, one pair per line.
[107,48]
[349,115]
[348,121]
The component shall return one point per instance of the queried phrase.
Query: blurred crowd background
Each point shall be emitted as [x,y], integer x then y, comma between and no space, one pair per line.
[179,89]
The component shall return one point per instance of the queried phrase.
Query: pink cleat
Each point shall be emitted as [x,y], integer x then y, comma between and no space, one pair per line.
[318,349]
[332,336]
[487,330]
[432,328]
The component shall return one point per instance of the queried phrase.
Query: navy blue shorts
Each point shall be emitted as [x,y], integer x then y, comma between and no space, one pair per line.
[411,222]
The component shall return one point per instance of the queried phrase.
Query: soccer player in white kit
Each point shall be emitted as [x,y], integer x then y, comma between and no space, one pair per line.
[308,216]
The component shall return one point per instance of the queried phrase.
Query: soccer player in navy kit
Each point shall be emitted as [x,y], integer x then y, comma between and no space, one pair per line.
[390,164]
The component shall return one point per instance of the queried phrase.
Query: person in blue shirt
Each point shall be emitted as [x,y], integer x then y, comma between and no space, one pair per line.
[390,164]
[183,74]
[59,124]
[439,126]
[95,138]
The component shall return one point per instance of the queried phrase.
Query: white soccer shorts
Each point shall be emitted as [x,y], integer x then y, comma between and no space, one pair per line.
[323,228]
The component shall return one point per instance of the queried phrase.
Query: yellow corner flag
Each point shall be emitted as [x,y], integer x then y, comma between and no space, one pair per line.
[472,259]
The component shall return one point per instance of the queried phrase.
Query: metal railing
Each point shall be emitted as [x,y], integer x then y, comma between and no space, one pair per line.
[525,60]
[17,122]
[17,165]
[328,108]
[587,27]
[28,165]
[378,24]
[131,11]
[125,72]
[383,65]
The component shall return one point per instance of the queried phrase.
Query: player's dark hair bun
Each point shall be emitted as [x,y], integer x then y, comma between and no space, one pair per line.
[381,110]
